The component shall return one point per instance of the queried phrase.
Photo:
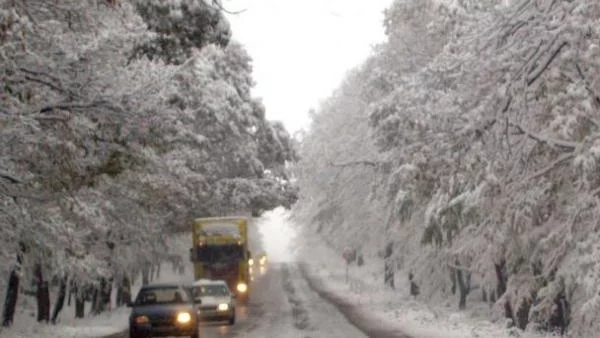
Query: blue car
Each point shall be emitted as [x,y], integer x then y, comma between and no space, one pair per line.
[163,310]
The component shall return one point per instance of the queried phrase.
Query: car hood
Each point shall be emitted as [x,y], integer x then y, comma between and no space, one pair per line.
[160,310]
[212,300]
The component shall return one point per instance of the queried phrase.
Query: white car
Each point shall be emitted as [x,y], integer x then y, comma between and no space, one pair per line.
[217,302]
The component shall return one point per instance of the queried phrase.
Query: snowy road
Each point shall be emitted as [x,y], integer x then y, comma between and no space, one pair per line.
[284,305]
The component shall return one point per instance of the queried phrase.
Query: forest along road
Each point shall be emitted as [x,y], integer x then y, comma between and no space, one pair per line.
[284,304]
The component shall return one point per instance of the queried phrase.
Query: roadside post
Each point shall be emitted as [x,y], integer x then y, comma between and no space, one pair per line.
[349,255]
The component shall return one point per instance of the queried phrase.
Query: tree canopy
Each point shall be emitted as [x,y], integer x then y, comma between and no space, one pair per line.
[121,121]
[481,155]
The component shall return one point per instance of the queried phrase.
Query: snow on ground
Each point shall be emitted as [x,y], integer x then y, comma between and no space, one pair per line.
[396,308]
[26,326]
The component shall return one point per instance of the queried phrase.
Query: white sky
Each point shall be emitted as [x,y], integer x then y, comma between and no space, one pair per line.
[302,48]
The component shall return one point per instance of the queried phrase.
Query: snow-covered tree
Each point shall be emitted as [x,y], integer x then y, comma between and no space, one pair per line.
[488,126]
[104,153]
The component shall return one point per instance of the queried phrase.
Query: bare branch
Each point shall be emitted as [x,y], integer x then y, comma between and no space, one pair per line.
[570,146]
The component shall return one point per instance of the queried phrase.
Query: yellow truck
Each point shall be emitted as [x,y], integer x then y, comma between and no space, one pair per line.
[220,252]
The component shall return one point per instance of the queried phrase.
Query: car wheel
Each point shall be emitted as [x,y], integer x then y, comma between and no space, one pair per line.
[232,320]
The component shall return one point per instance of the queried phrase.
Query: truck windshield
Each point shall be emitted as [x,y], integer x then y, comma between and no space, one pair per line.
[227,253]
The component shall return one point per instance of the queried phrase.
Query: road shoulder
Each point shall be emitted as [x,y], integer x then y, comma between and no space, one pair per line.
[369,324]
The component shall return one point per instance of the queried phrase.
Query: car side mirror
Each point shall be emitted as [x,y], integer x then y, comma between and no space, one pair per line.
[198,300]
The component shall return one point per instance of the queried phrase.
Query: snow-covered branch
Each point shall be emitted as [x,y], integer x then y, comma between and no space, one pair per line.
[368,163]
[562,158]
[70,106]
[570,146]
[588,86]
[544,64]
[219,5]
[458,267]
[11,178]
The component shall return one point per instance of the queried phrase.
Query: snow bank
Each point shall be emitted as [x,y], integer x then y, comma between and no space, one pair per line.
[397,307]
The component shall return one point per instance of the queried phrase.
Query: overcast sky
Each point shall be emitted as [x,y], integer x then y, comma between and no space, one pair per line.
[302,48]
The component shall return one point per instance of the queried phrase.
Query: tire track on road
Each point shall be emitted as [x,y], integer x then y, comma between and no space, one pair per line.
[356,315]
[299,312]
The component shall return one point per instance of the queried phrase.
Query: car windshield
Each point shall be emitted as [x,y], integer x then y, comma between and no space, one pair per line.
[161,295]
[210,290]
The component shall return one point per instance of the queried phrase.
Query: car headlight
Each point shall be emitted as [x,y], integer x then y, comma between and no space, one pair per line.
[242,287]
[141,320]
[251,262]
[223,307]
[183,318]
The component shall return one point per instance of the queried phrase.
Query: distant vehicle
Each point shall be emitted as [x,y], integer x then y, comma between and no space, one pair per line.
[262,259]
[217,302]
[220,251]
[161,310]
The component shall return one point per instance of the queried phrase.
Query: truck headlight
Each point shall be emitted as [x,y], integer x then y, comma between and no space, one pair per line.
[242,287]
[223,307]
[251,262]
[183,317]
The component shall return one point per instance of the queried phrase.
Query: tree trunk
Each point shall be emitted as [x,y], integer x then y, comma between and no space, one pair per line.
[414,288]
[523,314]
[79,305]
[94,308]
[484,295]
[101,296]
[119,297]
[388,274]
[463,280]
[508,312]
[453,279]
[158,271]
[42,295]
[12,292]
[12,289]
[106,293]
[126,290]
[500,278]
[60,300]
[145,273]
